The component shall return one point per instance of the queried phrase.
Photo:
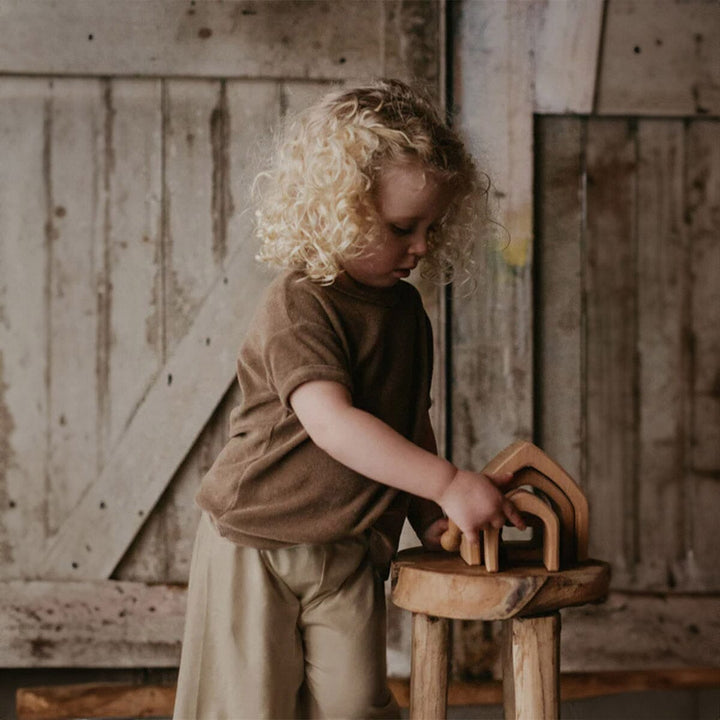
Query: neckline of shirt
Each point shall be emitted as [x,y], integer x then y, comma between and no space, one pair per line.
[388,296]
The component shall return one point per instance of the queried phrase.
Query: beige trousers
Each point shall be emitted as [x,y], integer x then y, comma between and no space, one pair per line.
[289,633]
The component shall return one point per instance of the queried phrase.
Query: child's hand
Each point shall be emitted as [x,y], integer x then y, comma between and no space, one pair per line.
[430,537]
[474,502]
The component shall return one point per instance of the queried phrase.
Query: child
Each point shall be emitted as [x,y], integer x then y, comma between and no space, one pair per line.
[332,446]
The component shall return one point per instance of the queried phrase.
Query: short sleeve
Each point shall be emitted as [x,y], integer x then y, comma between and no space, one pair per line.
[305,351]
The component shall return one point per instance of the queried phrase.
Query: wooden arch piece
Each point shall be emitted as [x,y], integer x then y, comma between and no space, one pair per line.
[523,454]
[531,504]
[560,504]
[533,467]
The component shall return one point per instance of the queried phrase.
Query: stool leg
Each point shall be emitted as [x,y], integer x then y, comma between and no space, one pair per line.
[531,668]
[429,667]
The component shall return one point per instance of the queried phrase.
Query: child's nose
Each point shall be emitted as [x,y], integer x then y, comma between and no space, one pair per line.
[419,245]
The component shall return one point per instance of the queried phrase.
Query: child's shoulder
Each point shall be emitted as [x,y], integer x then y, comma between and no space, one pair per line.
[291,293]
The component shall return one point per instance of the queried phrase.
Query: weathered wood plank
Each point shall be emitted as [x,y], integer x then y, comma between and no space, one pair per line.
[660,57]
[558,293]
[610,358]
[414,39]
[567,49]
[121,624]
[93,700]
[196,129]
[170,38]
[134,252]
[78,339]
[702,487]
[91,624]
[634,631]
[491,334]
[24,233]
[662,293]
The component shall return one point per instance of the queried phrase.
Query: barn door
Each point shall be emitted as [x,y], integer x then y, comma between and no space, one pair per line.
[129,133]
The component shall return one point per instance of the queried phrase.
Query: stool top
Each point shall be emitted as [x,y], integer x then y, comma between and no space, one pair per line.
[443,585]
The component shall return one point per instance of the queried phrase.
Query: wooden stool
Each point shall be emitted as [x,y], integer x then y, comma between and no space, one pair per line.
[436,586]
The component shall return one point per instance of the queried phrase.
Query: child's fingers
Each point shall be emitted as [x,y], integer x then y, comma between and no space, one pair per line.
[512,514]
[501,478]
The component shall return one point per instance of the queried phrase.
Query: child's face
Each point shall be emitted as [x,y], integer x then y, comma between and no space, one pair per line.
[410,202]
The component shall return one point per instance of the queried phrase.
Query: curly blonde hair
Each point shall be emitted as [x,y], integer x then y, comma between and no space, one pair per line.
[316,204]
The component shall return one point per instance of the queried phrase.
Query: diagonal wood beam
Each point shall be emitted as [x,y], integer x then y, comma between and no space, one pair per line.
[96,534]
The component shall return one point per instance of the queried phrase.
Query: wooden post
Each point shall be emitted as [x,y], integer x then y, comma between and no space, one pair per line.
[531,668]
[429,667]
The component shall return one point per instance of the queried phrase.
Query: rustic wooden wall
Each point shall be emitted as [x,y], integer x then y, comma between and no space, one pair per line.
[129,135]
[595,327]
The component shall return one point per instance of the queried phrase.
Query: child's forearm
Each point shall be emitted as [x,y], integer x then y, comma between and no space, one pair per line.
[369,446]
[372,448]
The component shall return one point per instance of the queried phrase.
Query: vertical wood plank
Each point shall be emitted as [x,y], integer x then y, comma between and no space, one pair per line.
[194,245]
[134,251]
[567,50]
[558,293]
[610,367]
[25,223]
[78,161]
[491,334]
[702,488]
[663,287]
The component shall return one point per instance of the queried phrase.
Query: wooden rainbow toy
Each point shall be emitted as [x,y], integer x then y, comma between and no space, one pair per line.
[554,504]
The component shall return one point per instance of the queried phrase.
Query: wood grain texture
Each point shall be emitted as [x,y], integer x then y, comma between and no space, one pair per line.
[94,700]
[567,49]
[77,165]
[663,288]
[429,674]
[529,504]
[444,586]
[702,492]
[611,367]
[531,669]
[491,332]
[24,293]
[45,624]
[660,58]
[273,39]
[559,291]
[95,624]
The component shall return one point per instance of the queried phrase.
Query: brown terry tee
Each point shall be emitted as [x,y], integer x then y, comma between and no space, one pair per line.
[271,486]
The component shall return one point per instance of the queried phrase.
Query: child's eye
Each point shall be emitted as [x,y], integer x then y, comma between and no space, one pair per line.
[397,230]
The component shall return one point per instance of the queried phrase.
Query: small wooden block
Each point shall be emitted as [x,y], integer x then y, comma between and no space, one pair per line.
[471,553]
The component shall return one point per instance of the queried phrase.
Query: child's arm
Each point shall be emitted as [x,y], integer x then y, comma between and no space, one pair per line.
[426,516]
[369,446]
